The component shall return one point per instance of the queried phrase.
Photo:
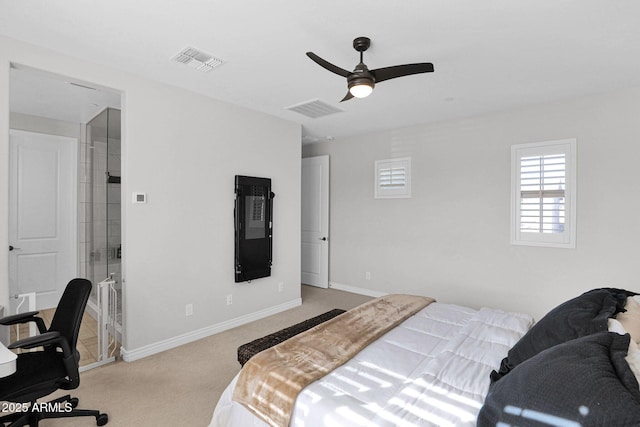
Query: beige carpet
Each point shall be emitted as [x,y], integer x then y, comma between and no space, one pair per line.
[180,387]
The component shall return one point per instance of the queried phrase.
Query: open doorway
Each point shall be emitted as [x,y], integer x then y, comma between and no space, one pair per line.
[83,121]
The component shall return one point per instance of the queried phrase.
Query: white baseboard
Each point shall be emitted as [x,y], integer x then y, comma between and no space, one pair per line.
[148,350]
[356,290]
[92,309]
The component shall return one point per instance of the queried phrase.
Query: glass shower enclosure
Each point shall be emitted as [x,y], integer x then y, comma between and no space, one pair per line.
[102,221]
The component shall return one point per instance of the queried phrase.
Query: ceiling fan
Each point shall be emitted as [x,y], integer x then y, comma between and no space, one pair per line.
[361,80]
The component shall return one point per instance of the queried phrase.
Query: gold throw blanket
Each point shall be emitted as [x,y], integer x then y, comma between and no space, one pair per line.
[270,381]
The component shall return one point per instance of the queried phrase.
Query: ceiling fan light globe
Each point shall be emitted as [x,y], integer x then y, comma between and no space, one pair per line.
[361,88]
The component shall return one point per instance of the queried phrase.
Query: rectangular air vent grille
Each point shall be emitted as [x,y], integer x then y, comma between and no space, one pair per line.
[197,59]
[314,109]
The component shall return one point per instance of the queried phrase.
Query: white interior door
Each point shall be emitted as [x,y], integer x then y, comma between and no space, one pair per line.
[42,215]
[315,221]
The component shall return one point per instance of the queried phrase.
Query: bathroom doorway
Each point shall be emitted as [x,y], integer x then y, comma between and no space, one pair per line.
[47,105]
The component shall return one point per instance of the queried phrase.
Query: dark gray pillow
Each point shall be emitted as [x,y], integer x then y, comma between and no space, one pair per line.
[585,381]
[578,317]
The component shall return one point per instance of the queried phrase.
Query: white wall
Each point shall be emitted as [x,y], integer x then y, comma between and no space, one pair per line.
[451,239]
[43,125]
[183,150]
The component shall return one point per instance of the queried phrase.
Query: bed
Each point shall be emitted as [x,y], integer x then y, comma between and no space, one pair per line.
[449,365]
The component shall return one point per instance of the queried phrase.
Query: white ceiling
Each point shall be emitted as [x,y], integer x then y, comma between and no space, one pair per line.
[44,94]
[489,55]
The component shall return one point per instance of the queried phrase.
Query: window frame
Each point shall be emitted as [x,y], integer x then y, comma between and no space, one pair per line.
[567,238]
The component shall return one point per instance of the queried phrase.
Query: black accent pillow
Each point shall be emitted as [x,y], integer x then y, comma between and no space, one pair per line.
[578,317]
[585,381]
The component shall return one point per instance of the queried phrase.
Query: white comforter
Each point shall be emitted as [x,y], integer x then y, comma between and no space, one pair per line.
[431,370]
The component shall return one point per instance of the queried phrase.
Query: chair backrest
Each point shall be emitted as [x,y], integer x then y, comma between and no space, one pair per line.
[68,315]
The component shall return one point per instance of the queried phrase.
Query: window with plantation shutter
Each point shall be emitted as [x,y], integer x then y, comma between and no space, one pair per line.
[543,194]
[393,178]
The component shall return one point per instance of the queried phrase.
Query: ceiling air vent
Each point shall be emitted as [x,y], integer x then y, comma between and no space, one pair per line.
[314,109]
[197,59]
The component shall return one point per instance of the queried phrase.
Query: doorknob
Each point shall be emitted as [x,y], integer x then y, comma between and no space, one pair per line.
[324,239]
[11,248]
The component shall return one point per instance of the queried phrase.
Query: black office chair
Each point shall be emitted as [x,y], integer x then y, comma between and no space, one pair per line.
[40,373]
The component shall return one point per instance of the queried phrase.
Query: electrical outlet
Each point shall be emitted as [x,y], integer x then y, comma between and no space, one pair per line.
[188,310]
[229,299]
[367,275]
[280,286]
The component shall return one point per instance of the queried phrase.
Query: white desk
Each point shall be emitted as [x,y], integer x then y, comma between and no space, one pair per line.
[7,361]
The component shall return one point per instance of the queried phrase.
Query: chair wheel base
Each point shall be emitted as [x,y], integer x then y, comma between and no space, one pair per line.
[102,419]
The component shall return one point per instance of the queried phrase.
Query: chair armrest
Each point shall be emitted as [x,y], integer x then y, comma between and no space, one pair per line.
[29,316]
[48,338]
[54,339]
[18,318]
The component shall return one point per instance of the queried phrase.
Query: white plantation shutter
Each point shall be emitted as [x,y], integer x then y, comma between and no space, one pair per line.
[393,178]
[542,201]
[543,211]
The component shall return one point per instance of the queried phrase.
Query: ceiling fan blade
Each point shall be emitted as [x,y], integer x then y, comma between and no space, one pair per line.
[347,97]
[327,65]
[382,74]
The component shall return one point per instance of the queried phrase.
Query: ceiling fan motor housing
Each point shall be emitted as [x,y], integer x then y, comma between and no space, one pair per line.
[358,79]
